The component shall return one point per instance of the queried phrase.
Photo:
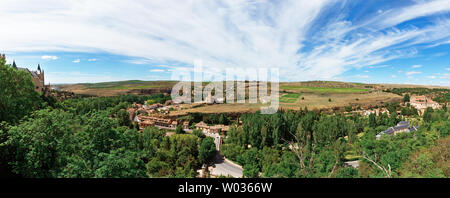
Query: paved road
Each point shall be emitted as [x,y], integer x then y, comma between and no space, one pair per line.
[224,167]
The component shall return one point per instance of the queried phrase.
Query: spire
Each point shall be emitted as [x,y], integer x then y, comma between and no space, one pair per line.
[39,67]
[14,64]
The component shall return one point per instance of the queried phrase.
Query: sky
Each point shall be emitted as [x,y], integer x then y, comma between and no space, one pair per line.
[368,41]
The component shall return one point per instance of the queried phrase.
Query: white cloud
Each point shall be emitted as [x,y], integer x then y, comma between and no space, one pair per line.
[222,33]
[76,61]
[362,76]
[47,57]
[378,66]
[92,59]
[394,76]
[76,77]
[445,76]
[156,70]
[432,77]
[416,66]
[448,69]
[420,9]
[139,61]
[413,73]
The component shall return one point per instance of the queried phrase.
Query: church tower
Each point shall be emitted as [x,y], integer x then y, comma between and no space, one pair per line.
[40,78]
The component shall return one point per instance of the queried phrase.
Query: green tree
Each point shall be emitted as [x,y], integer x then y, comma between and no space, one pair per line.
[270,157]
[422,166]
[348,108]
[17,94]
[232,151]
[372,120]
[406,98]
[124,118]
[150,102]
[288,166]
[207,150]
[41,143]
[198,133]
[427,115]
[347,172]
[251,163]
[120,163]
[179,129]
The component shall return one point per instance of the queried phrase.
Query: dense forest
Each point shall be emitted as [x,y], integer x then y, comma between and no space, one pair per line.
[313,144]
[440,94]
[41,137]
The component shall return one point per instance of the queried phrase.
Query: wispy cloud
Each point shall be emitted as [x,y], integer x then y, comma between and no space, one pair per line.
[92,59]
[362,76]
[75,77]
[416,66]
[47,57]
[412,73]
[291,35]
[420,9]
[156,70]
[76,61]
[140,61]
[378,66]
[444,76]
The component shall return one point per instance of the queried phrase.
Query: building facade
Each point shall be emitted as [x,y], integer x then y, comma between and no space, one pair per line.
[402,126]
[423,102]
[38,76]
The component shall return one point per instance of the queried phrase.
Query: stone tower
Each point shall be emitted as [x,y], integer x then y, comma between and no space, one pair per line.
[38,78]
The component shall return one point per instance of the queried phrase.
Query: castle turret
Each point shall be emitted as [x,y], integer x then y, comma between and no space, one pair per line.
[14,64]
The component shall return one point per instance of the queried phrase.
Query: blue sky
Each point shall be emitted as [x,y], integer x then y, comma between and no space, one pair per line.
[370,41]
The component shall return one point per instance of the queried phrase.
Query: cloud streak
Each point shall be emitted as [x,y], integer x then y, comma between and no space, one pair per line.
[412,73]
[46,57]
[223,34]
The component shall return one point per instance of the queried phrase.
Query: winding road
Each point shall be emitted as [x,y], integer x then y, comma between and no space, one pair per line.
[225,167]
[221,166]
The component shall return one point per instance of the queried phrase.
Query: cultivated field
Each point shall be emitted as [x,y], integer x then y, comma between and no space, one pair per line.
[119,88]
[293,95]
[290,97]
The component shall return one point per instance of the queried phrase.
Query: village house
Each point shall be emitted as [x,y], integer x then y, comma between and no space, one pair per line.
[153,106]
[186,125]
[149,121]
[219,129]
[372,111]
[401,127]
[421,103]
[132,113]
[202,126]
